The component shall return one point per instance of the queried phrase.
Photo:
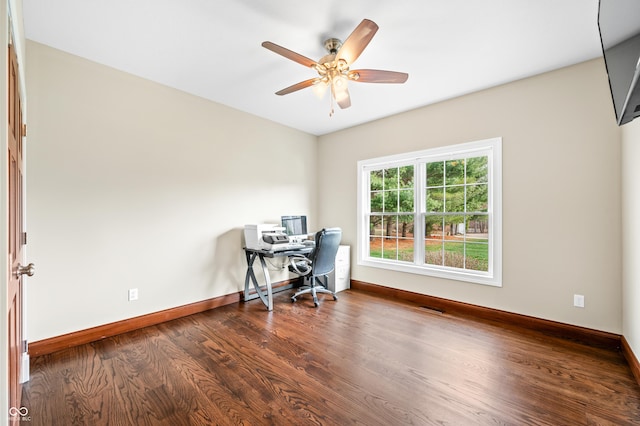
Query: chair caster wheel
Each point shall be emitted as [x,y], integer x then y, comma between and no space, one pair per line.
[316,304]
[293,299]
[335,297]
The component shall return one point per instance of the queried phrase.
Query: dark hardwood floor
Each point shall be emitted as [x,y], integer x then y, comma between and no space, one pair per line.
[361,360]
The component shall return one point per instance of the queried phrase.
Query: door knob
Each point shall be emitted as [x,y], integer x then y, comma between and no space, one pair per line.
[28,270]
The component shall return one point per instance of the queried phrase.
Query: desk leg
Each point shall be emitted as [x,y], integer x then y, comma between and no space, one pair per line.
[251,277]
[267,280]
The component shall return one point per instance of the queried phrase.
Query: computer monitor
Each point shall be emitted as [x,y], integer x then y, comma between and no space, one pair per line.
[295,227]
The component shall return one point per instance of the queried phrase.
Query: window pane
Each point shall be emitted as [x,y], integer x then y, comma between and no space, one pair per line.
[435,200]
[477,170]
[454,172]
[375,178]
[454,227]
[434,226]
[406,177]
[435,173]
[406,200]
[391,201]
[454,254]
[375,225]
[454,197]
[478,229]
[376,202]
[477,256]
[433,252]
[375,247]
[405,226]
[405,250]
[477,198]
[390,249]
[391,178]
[390,226]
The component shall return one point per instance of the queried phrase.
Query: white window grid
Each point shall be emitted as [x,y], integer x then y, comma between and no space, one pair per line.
[492,148]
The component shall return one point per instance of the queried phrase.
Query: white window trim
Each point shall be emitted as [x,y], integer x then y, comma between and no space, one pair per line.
[491,147]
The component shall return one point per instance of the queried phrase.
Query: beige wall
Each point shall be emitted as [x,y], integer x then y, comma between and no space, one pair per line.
[132,184]
[135,185]
[561,191]
[631,234]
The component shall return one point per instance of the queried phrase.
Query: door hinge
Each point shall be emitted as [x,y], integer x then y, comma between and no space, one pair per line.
[25,346]
[24,239]
[24,129]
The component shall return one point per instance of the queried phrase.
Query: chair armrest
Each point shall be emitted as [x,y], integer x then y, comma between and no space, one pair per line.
[298,260]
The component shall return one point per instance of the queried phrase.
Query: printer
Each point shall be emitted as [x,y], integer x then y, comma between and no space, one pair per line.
[266,236]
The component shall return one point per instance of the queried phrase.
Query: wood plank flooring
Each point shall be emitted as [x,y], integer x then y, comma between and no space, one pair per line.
[363,360]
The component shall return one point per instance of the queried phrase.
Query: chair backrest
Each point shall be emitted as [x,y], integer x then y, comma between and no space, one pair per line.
[324,256]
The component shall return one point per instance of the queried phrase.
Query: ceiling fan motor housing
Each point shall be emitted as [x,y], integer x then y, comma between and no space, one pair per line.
[332,45]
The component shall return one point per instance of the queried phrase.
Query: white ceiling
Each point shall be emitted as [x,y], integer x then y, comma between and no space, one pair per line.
[211,48]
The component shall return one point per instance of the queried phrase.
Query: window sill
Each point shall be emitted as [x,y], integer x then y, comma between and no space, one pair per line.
[484,278]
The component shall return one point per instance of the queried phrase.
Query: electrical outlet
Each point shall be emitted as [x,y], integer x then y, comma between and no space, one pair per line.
[133,294]
[578,300]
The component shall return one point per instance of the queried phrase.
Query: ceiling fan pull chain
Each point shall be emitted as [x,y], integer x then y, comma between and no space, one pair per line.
[331,104]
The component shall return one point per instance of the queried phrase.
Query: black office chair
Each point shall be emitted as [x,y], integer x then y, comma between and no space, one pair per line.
[318,264]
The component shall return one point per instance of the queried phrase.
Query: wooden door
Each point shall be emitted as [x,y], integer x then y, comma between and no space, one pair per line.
[16,239]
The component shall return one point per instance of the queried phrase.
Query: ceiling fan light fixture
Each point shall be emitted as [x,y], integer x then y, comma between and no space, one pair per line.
[340,82]
[321,69]
[341,94]
[320,88]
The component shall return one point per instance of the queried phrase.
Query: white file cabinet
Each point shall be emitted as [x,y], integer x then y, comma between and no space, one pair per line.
[340,278]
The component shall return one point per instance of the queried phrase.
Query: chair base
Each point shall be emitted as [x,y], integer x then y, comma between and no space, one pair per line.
[313,290]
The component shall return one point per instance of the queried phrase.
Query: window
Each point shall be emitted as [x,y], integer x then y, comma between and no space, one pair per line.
[434,212]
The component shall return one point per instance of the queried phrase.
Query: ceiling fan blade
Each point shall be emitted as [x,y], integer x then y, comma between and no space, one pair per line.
[289,54]
[297,86]
[378,76]
[357,41]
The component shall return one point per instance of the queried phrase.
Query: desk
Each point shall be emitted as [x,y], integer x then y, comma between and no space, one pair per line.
[252,254]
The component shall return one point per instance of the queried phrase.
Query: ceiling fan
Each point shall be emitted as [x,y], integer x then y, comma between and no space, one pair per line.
[334,68]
